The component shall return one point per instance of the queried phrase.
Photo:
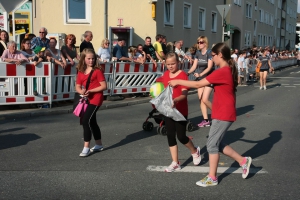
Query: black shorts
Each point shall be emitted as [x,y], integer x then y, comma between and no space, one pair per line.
[263,70]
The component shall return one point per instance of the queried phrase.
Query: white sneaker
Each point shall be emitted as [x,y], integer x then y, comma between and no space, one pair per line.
[97,150]
[260,88]
[85,154]
[173,167]
[197,157]
[265,88]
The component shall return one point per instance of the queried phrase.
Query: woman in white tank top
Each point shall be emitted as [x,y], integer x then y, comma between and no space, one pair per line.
[55,54]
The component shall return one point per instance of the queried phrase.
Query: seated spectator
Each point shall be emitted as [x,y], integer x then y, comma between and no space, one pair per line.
[26,49]
[39,57]
[191,52]
[69,50]
[103,52]
[3,41]
[55,54]
[12,55]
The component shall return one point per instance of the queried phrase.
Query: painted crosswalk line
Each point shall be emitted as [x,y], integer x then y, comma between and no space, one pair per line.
[198,169]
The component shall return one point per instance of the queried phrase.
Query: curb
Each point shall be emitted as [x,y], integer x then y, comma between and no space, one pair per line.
[69,109]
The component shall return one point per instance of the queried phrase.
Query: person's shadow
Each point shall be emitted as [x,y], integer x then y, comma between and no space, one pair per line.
[262,147]
[14,140]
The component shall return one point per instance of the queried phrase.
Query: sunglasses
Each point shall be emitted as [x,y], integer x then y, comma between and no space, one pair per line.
[107,43]
[201,42]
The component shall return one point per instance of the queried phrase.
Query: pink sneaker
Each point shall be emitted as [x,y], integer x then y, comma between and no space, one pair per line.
[197,157]
[204,123]
[173,167]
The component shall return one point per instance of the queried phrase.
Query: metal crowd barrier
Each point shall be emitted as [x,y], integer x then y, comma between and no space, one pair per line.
[53,83]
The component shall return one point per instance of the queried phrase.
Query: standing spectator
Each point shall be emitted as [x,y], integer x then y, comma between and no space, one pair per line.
[3,41]
[170,47]
[241,68]
[41,41]
[158,47]
[86,43]
[69,50]
[12,55]
[55,54]
[119,53]
[164,44]
[179,51]
[265,66]
[26,49]
[103,52]
[150,50]
[191,52]
[140,53]
[88,64]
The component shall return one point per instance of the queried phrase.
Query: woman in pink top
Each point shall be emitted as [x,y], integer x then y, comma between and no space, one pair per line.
[12,55]
[223,111]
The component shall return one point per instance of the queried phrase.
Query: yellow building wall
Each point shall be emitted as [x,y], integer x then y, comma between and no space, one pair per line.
[135,13]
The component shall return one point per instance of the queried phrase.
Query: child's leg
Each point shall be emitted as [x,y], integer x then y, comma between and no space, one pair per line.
[261,74]
[228,151]
[181,135]
[216,134]
[171,130]
[265,77]
[95,128]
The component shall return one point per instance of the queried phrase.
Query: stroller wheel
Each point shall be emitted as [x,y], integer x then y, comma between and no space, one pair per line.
[190,126]
[158,130]
[163,130]
[147,126]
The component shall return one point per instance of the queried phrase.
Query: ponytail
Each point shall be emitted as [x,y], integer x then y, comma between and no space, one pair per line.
[234,73]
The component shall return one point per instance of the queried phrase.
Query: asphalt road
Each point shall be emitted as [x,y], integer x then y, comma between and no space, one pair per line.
[39,155]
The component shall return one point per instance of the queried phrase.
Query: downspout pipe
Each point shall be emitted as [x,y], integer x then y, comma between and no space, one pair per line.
[105,18]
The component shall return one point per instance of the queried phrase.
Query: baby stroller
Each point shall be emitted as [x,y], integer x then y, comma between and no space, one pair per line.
[159,119]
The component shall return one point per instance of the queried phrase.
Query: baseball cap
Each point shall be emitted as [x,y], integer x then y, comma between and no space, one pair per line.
[38,49]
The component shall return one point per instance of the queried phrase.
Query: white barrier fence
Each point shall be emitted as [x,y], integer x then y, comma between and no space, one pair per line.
[52,83]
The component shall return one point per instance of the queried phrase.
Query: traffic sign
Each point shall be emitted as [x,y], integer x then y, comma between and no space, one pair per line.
[223,9]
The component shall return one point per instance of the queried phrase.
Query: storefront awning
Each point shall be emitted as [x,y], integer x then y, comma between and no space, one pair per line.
[10,5]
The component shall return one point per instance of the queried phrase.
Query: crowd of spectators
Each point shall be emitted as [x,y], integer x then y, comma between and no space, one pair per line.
[140,53]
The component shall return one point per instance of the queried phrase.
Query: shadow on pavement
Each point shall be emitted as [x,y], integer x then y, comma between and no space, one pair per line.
[11,140]
[132,138]
[244,109]
[11,130]
[262,147]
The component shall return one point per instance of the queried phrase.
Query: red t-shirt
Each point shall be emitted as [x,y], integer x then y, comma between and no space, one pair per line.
[97,77]
[181,106]
[223,105]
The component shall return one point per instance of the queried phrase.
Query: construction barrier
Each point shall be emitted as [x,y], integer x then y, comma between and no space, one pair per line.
[53,83]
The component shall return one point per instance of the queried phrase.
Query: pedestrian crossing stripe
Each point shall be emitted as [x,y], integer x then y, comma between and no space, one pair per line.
[198,169]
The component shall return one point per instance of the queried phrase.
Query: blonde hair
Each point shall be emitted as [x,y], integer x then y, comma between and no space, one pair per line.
[171,55]
[82,66]
[204,38]
[103,42]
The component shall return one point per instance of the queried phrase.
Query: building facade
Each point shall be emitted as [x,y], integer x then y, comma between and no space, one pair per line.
[263,23]
[131,19]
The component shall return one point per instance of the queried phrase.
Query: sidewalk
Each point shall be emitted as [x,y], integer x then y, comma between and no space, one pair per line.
[13,112]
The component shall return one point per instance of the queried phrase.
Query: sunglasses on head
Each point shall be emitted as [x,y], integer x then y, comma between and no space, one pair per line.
[201,42]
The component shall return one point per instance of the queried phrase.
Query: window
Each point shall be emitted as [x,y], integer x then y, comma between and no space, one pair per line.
[272,20]
[201,24]
[77,11]
[214,22]
[279,4]
[237,2]
[261,15]
[169,12]
[259,36]
[254,28]
[247,38]
[255,4]
[248,10]
[187,15]
[277,41]
[278,23]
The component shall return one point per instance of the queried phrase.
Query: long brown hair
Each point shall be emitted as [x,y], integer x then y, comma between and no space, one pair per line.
[23,43]
[225,50]
[82,66]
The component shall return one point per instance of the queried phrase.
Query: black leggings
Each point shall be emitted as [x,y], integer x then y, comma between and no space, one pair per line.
[89,123]
[176,127]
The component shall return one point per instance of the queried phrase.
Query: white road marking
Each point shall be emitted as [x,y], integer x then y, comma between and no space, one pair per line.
[284,77]
[290,86]
[284,84]
[296,84]
[197,169]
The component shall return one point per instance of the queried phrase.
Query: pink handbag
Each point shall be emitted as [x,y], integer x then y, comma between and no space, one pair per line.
[81,107]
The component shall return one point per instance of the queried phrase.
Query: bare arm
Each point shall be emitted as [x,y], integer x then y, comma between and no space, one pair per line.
[190,84]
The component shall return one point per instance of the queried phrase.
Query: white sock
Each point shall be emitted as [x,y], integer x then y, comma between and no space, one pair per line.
[85,149]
